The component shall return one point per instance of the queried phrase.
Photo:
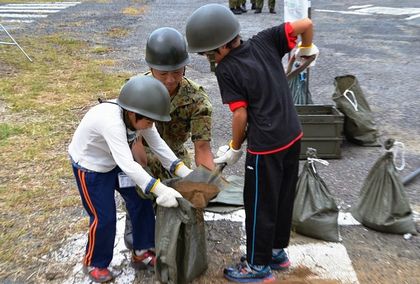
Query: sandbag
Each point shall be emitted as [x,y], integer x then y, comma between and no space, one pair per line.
[383,204]
[315,213]
[181,248]
[297,77]
[359,125]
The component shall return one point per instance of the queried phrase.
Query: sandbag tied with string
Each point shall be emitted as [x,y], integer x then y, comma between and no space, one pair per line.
[383,204]
[359,125]
[315,212]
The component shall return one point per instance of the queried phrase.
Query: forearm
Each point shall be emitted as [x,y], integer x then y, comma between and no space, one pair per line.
[239,123]
[304,28]
[139,153]
[203,155]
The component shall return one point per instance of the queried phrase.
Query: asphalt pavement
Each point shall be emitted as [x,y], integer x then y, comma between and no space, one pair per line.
[378,42]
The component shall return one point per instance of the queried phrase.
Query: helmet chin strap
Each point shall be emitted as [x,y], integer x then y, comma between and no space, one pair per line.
[212,58]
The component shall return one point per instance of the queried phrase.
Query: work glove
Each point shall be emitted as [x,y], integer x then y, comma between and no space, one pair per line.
[226,154]
[306,51]
[166,196]
[182,170]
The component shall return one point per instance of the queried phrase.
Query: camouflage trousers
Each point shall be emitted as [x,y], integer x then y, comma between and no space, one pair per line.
[260,4]
[237,3]
[234,3]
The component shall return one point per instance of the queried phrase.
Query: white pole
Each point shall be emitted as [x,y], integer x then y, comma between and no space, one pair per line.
[14,43]
[307,70]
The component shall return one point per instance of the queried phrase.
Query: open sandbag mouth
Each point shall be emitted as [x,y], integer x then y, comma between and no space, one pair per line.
[198,193]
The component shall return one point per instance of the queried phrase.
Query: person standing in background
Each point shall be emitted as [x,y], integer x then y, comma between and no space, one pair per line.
[260,3]
[237,6]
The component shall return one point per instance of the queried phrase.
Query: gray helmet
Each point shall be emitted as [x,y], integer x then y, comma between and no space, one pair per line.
[166,50]
[146,96]
[211,26]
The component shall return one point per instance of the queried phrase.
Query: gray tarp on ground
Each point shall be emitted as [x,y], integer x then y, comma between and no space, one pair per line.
[181,248]
[315,212]
[359,125]
[230,197]
[383,204]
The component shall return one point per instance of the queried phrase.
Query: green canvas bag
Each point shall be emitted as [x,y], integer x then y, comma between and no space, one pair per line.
[359,126]
[181,247]
[315,213]
[297,77]
[382,203]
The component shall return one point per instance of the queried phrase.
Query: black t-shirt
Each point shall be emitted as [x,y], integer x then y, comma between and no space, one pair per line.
[253,72]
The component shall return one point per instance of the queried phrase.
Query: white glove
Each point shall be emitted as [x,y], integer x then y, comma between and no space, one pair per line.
[182,170]
[166,196]
[305,51]
[228,155]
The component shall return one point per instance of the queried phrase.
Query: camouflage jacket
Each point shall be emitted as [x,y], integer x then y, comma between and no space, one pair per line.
[190,112]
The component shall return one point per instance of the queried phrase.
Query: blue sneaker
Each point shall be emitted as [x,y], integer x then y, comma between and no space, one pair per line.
[280,261]
[247,273]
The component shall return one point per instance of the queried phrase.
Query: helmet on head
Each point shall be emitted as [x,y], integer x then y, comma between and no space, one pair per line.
[211,26]
[146,96]
[166,50]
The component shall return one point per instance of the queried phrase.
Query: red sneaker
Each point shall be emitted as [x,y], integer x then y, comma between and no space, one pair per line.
[146,260]
[98,275]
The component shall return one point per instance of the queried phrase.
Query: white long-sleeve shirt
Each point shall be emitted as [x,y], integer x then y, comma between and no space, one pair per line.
[100,144]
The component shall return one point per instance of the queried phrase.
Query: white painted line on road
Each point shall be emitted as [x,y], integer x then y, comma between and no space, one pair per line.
[235,216]
[19,12]
[345,219]
[371,10]
[390,11]
[51,4]
[17,21]
[416,216]
[22,16]
[33,8]
[341,12]
[328,261]
[27,11]
[412,17]
[360,6]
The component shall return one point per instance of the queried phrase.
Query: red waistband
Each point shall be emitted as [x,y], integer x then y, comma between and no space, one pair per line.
[278,149]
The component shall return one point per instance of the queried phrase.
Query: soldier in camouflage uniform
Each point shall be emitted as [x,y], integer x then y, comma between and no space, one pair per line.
[190,109]
[191,118]
[237,6]
[260,4]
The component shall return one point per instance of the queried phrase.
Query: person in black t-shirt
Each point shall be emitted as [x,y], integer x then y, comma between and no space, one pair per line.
[253,83]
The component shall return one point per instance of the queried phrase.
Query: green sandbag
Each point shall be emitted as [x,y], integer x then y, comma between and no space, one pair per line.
[297,77]
[299,89]
[315,213]
[181,248]
[383,204]
[359,126]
